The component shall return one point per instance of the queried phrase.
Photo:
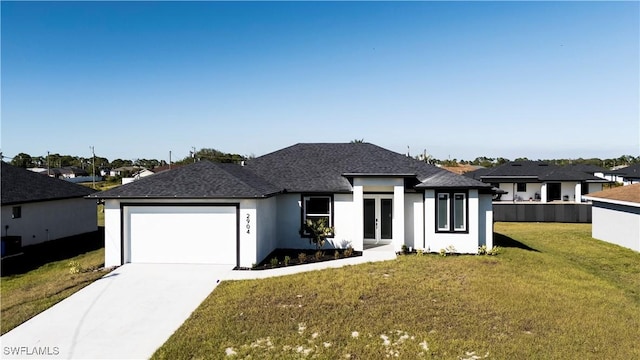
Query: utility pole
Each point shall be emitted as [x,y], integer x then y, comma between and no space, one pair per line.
[169,159]
[194,153]
[93,160]
[48,167]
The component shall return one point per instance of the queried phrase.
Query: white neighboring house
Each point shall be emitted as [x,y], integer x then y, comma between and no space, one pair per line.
[232,214]
[142,173]
[38,208]
[616,215]
[541,181]
[626,175]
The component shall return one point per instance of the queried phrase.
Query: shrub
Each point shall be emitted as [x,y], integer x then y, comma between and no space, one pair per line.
[302,258]
[274,261]
[482,250]
[443,252]
[495,250]
[318,230]
[319,255]
[420,252]
[336,254]
[348,251]
[287,259]
[405,249]
[451,249]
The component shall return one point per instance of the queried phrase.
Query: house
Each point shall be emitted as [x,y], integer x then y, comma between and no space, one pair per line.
[539,181]
[626,175]
[233,214]
[616,215]
[142,173]
[38,208]
[124,170]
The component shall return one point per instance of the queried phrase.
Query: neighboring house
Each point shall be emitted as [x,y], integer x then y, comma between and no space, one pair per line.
[616,215]
[626,175]
[539,181]
[125,170]
[233,214]
[142,173]
[67,172]
[38,208]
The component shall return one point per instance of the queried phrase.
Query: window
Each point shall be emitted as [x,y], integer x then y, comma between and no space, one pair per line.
[451,212]
[16,212]
[317,207]
[522,187]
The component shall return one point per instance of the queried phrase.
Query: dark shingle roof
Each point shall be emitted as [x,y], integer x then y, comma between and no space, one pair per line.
[203,179]
[325,167]
[587,168]
[23,186]
[298,168]
[632,171]
[535,171]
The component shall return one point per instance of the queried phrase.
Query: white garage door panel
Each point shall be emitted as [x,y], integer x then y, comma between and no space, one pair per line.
[174,234]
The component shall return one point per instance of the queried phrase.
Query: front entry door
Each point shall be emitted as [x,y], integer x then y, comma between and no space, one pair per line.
[378,216]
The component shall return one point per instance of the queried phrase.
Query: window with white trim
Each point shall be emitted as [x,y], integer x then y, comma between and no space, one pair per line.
[317,207]
[451,212]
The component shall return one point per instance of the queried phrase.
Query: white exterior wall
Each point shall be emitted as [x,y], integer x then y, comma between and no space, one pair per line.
[288,222]
[485,221]
[264,227]
[414,220]
[464,243]
[50,220]
[344,219]
[248,241]
[511,188]
[617,224]
[569,189]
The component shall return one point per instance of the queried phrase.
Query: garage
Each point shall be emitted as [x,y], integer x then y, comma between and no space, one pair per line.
[181,234]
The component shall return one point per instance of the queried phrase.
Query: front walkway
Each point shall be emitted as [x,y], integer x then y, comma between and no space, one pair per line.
[132,311]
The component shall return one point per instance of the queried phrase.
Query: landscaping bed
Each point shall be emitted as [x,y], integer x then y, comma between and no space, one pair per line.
[292,257]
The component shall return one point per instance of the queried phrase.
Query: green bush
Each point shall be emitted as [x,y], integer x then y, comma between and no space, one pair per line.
[302,258]
[274,261]
[287,259]
[336,254]
[319,255]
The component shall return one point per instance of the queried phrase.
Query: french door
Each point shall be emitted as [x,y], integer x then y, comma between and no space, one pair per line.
[378,218]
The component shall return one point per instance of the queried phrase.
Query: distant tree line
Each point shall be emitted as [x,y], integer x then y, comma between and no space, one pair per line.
[25,160]
[491,162]
[56,160]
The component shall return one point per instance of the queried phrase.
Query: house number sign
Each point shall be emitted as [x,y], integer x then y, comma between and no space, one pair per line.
[248,226]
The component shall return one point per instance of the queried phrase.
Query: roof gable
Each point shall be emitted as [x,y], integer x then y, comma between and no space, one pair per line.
[23,186]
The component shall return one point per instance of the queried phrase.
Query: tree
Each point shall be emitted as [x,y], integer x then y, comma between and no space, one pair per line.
[357,141]
[318,231]
[22,160]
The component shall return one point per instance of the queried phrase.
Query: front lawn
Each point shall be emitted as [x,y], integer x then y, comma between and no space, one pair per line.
[553,292]
[25,295]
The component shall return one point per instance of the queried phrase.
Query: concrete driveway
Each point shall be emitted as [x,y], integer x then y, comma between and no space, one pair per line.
[127,314]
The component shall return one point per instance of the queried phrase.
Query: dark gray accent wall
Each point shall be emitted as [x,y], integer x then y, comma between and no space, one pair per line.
[564,213]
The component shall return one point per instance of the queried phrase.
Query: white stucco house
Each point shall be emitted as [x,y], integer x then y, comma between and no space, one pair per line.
[541,181]
[616,215]
[233,214]
[38,208]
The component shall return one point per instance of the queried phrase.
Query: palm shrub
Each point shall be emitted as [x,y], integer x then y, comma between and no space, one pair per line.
[318,231]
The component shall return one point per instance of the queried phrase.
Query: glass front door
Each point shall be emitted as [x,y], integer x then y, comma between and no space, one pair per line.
[378,218]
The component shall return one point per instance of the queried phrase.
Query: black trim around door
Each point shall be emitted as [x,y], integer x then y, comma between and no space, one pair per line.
[146,204]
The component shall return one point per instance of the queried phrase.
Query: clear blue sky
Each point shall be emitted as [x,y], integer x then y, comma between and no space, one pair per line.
[461,80]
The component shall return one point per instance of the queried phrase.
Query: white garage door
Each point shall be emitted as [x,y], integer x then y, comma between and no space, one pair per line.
[182,234]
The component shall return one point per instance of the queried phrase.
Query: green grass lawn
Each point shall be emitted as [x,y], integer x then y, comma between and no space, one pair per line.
[552,293]
[26,295]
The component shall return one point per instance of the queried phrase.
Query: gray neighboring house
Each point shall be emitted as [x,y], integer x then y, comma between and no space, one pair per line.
[616,216]
[38,208]
[540,181]
[233,214]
